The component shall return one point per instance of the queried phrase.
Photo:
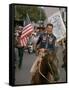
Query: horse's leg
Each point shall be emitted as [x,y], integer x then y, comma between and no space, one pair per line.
[36,79]
[56,72]
[35,72]
[50,77]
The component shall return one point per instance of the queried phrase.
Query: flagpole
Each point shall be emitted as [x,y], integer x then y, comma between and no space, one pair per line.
[40,14]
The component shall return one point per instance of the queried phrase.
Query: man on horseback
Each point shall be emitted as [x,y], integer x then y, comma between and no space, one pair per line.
[44,63]
[47,41]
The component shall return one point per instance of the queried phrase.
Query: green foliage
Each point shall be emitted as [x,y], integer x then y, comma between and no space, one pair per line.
[32,11]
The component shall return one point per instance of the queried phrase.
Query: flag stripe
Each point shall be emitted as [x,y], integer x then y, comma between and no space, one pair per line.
[27,26]
[26,29]
[25,41]
[26,33]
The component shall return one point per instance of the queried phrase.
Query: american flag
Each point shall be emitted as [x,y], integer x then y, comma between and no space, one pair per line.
[27,30]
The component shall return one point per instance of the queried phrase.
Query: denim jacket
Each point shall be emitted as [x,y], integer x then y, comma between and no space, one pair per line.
[46,41]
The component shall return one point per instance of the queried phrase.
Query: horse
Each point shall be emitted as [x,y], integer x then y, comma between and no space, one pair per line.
[45,70]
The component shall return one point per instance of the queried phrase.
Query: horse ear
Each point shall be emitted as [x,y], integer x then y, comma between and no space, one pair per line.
[42,57]
[46,52]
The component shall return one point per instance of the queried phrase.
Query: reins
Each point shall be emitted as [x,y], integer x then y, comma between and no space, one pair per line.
[43,74]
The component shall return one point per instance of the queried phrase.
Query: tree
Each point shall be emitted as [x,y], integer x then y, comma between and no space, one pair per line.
[35,13]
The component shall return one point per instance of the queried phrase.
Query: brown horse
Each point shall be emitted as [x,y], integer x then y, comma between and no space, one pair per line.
[46,70]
